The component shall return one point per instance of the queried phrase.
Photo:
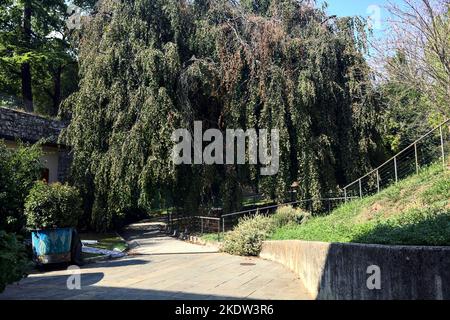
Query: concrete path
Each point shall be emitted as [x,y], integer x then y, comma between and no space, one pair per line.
[160,267]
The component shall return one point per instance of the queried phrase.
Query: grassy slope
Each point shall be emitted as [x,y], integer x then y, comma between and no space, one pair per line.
[416,211]
[108,241]
[211,237]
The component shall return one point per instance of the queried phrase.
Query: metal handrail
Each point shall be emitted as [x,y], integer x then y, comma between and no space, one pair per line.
[207,218]
[281,205]
[221,220]
[394,158]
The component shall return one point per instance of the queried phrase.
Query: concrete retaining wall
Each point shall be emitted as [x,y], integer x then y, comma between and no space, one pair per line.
[340,271]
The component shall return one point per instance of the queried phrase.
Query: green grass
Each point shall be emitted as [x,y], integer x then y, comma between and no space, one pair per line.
[108,241]
[259,203]
[211,237]
[416,211]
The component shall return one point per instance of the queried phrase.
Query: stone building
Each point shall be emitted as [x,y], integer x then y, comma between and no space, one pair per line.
[29,128]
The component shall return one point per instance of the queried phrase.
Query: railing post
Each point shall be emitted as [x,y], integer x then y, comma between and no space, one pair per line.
[395,167]
[170,222]
[345,194]
[378,181]
[442,147]
[201,221]
[223,225]
[360,188]
[218,231]
[417,157]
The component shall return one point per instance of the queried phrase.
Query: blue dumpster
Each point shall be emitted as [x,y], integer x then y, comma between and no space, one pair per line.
[52,245]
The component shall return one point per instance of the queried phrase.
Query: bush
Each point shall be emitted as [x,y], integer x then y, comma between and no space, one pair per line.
[52,206]
[19,169]
[246,239]
[13,259]
[289,215]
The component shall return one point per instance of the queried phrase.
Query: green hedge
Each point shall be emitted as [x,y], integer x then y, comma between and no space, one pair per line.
[247,237]
[13,259]
[55,205]
[19,169]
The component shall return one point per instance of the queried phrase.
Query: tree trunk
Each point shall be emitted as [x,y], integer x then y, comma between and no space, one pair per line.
[27,91]
[57,90]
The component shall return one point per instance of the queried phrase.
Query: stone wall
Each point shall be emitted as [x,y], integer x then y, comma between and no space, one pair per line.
[342,270]
[28,127]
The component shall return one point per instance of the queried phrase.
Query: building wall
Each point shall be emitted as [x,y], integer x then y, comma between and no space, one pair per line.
[49,160]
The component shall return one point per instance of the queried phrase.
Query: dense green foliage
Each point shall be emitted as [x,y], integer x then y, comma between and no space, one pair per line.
[407,113]
[50,206]
[148,67]
[415,211]
[38,69]
[406,119]
[247,237]
[19,169]
[13,259]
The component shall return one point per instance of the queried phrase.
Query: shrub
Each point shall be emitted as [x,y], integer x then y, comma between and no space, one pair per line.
[13,259]
[289,215]
[246,239]
[49,206]
[19,169]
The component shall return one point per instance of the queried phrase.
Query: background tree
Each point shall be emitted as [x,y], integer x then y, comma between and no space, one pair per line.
[35,56]
[412,66]
[406,112]
[19,169]
[418,34]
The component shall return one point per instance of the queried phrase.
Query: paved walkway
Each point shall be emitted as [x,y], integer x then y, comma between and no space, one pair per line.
[160,267]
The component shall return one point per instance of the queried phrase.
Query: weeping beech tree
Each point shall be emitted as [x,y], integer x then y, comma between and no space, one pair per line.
[148,67]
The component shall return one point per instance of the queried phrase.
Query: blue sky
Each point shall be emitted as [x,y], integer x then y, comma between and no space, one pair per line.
[363,8]
[352,7]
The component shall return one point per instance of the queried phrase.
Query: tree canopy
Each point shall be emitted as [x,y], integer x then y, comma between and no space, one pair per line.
[37,67]
[148,67]
[415,54]
[413,63]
